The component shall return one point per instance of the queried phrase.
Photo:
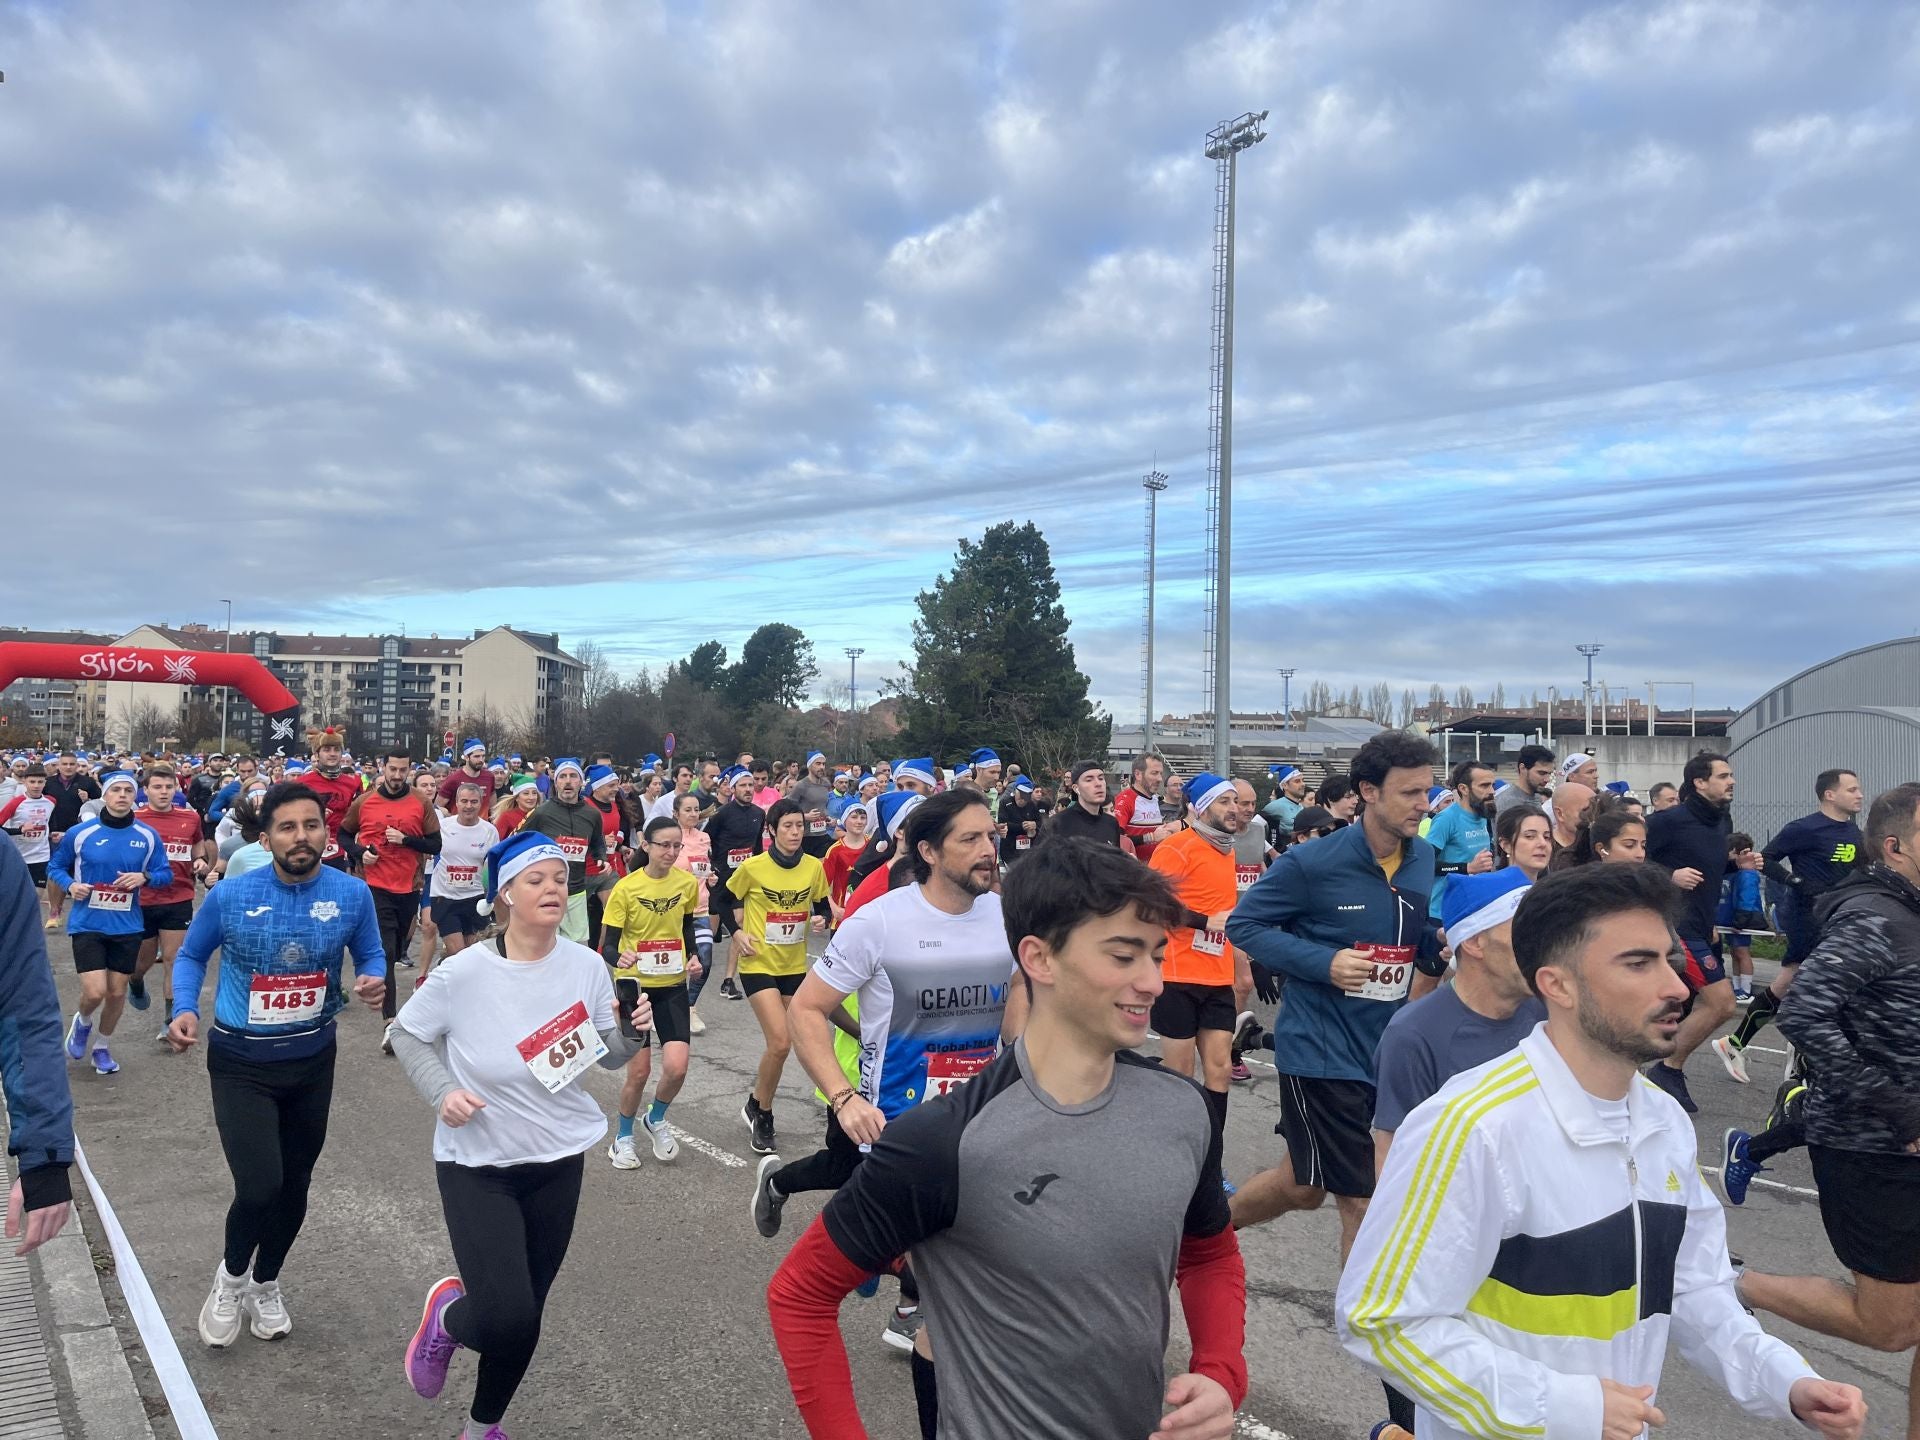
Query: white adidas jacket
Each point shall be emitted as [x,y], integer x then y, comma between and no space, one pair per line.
[1516,1252]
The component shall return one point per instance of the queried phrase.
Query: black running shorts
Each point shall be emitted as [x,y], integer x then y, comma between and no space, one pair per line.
[1870,1204]
[752,983]
[155,918]
[118,953]
[1183,1009]
[1328,1125]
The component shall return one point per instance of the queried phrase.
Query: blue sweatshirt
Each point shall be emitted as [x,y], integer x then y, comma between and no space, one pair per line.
[1324,896]
[97,852]
[33,1067]
[262,926]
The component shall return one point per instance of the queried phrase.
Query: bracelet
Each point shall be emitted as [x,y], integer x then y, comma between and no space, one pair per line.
[834,1102]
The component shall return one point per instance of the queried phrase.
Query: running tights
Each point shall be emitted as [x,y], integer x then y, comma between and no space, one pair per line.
[510,1227]
[272,1117]
[395,914]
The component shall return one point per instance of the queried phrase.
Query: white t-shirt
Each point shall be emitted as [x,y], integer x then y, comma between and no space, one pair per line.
[932,990]
[477,1009]
[250,856]
[654,809]
[463,850]
[33,817]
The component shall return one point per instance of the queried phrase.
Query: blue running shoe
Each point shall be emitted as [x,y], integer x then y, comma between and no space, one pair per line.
[1736,1170]
[103,1061]
[137,994]
[868,1288]
[78,1034]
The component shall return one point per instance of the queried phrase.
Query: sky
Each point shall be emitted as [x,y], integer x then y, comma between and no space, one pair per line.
[649,323]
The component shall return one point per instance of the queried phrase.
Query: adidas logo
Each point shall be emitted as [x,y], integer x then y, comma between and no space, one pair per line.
[1673,1183]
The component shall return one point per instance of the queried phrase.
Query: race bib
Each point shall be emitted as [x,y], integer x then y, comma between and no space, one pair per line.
[286,999]
[32,832]
[816,827]
[786,927]
[574,847]
[1245,875]
[1023,842]
[178,850]
[1145,811]
[1392,972]
[700,869]
[947,1073]
[660,958]
[110,900]
[1210,942]
[333,849]
[737,858]
[459,874]
[562,1048]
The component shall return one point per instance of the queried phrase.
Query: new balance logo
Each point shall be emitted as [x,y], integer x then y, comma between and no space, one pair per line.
[1032,1193]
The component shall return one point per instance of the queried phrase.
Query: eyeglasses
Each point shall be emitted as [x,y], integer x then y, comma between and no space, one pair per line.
[665,845]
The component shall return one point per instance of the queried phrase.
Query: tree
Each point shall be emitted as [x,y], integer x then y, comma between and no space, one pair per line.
[1380,703]
[1463,697]
[1319,698]
[1499,701]
[599,679]
[1407,704]
[146,721]
[775,666]
[705,667]
[994,630]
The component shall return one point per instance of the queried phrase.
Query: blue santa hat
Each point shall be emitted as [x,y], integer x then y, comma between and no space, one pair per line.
[1475,903]
[893,808]
[499,767]
[446,757]
[599,775]
[1021,782]
[472,745]
[983,756]
[1500,785]
[510,857]
[923,770]
[517,758]
[1283,773]
[813,755]
[1617,787]
[1204,789]
[569,763]
[649,759]
[294,767]
[114,777]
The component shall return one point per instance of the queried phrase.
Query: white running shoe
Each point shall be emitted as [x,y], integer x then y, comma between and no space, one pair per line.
[220,1316]
[695,1025]
[266,1311]
[665,1147]
[1732,1057]
[622,1153]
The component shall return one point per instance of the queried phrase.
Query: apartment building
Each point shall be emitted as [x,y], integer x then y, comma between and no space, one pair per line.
[383,691]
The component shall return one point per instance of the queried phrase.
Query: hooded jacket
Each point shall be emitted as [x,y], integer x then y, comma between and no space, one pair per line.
[1517,1250]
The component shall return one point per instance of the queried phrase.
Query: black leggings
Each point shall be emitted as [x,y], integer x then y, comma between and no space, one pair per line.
[510,1227]
[272,1117]
[395,915]
[826,1169]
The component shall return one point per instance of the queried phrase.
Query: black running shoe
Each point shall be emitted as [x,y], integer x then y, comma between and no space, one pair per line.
[1674,1082]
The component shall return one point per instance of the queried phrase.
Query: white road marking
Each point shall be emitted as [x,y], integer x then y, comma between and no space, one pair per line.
[709,1149]
[1770,1184]
[1252,1429]
[1763,1050]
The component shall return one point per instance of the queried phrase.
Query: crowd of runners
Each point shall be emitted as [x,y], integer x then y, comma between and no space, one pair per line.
[1026,1001]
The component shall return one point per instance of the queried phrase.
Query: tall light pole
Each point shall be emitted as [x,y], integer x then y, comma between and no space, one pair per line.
[1590,649]
[1224,144]
[853,654]
[1286,696]
[225,690]
[1154,482]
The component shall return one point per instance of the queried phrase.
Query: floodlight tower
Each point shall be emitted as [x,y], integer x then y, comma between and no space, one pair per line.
[1154,482]
[1224,144]
[1590,649]
[1286,673]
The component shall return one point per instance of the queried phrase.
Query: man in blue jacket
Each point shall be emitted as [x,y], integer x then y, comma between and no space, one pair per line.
[1345,921]
[31,1067]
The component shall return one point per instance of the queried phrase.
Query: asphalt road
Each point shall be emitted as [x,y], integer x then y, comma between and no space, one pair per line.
[658,1324]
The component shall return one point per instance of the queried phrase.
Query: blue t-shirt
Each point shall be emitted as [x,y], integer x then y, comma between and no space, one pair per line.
[1434,1039]
[1457,835]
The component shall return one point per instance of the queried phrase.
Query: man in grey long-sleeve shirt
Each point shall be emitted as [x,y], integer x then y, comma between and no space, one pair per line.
[811,793]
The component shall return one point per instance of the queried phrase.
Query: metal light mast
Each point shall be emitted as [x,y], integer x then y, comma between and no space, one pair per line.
[853,654]
[1286,696]
[1154,482]
[1590,649]
[1224,144]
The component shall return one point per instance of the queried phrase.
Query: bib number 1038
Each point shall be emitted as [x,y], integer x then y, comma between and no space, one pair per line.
[561,1050]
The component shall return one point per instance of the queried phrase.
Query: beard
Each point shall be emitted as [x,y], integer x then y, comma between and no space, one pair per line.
[978,881]
[300,860]
[1629,1042]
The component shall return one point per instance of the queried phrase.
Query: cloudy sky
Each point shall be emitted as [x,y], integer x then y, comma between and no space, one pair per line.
[653,322]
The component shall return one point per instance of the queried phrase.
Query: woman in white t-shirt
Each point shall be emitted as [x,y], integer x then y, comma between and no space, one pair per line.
[498,1044]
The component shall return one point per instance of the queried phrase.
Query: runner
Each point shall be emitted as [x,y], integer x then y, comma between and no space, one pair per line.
[602,792]
[1482,1012]
[1663,795]
[1289,794]
[69,787]
[386,832]
[246,770]
[1196,1011]
[1019,819]
[812,794]
[27,819]
[1138,809]
[1338,798]
[523,798]
[281,932]
[338,785]
[1532,780]
[696,858]
[1809,856]
[102,865]
[1087,818]
[841,856]
[426,786]
[1504,1240]
[775,889]
[736,832]
[649,940]
[1462,833]
[579,830]
[457,884]
[1613,836]
[167,910]
[1013,1274]
[1345,920]
[502,1038]
[1253,851]
[472,770]
[1690,840]
[1524,836]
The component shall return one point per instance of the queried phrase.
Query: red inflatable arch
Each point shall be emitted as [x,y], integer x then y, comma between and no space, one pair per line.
[158,667]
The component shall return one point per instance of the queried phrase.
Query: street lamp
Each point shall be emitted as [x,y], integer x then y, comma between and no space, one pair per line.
[1224,144]
[1154,482]
[853,654]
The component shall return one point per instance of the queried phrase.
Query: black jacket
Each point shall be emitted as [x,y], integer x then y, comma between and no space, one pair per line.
[1693,835]
[1854,1011]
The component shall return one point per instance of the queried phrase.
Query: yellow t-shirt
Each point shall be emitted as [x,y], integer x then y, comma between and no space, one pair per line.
[651,916]
[1391,865]
[778,904]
